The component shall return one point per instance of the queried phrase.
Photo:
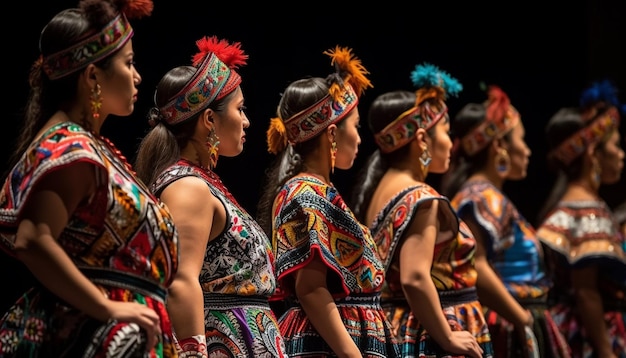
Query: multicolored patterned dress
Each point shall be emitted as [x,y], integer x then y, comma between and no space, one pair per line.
[310,217]
[122,239]
[452,272]
[578,234]
[516,256]
[237,277]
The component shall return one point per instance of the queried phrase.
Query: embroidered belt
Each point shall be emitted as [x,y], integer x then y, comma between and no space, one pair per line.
[219,301]
[455,297]
[125,280]
[447,298]
[365,299]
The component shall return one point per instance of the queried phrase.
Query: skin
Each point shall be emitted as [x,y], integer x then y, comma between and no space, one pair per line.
[54,199]
[200,221]
[421,237]
[519,153]
[310,281]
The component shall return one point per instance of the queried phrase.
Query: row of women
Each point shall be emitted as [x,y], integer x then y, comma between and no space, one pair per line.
[158,259]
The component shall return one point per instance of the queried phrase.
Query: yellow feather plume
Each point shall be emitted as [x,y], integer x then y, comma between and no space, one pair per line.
[276,136]
[344,59]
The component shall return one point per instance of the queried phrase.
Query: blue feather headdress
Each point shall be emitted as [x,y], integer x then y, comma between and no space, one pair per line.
[601,92]
[428,75]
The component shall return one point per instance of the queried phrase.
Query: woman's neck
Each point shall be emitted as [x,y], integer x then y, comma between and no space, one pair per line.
[487,175]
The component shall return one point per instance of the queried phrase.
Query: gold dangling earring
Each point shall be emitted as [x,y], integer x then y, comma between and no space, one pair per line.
[212,143]
[425,160]
[96,101]
[333,156]
[503,162]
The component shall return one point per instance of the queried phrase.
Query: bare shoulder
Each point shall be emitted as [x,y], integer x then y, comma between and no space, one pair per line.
[189,192]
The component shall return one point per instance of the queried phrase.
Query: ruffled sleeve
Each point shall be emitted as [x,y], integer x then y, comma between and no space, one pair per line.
[61,146]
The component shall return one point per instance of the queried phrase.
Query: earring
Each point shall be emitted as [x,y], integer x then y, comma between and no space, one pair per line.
[596,172]
[212,143]
[333,156]
[95,101]
[425,160]
[503,162]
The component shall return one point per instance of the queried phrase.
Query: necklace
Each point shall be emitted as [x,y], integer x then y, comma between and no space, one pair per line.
[118,153]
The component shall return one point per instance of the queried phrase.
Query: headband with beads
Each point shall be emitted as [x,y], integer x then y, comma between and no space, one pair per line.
[432,83]
[500,118]
[91,49]
[215,78]
[342,97]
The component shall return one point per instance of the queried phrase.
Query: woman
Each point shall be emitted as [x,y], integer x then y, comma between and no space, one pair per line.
[430,295]
[102,249]
[586,250]
[219,298]
[326,264]
[512,281]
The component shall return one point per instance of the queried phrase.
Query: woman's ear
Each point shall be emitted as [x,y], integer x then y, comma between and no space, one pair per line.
[89,75]
[331,132]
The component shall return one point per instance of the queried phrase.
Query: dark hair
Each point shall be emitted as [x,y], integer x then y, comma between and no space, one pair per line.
[160,147]
[383,110]
[46,96]
[561,126]
[299,95]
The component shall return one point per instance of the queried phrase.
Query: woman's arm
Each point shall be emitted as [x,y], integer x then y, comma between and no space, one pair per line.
[193,208]
[416,259]
[589,306]
[320,308]
[45,215]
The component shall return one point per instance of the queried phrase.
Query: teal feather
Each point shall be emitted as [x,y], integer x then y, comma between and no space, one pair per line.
[427,75]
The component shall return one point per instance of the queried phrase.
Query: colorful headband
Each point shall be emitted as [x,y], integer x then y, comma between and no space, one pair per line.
[500,118]
[342,97]
[93,48]
[593,133]
[215,78]
[432,83]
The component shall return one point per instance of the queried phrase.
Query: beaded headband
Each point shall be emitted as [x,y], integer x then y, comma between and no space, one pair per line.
[501,117]
[433,84]
[593,133]
[342,97]
[91,49]
[215,78]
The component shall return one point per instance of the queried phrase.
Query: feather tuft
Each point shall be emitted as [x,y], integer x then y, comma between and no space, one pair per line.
[276,136]
[350,68]
[231,54]
[428,75]
[136,9]
[498,103]
[601,92]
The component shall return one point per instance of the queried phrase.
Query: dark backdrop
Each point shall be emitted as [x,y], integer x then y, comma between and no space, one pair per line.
[541,53]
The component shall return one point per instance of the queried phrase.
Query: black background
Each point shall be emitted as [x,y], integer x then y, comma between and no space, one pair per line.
[541,53]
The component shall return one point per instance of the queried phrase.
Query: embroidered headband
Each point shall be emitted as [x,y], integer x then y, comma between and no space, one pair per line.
[342,97]
[93,48]
[432,83]
[593,133]
[215,78]
[500,118]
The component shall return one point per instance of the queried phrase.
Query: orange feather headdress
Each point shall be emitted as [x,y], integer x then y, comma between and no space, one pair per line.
[343,96]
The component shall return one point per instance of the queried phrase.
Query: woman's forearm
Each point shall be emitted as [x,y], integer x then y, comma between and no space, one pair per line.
[322,311]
